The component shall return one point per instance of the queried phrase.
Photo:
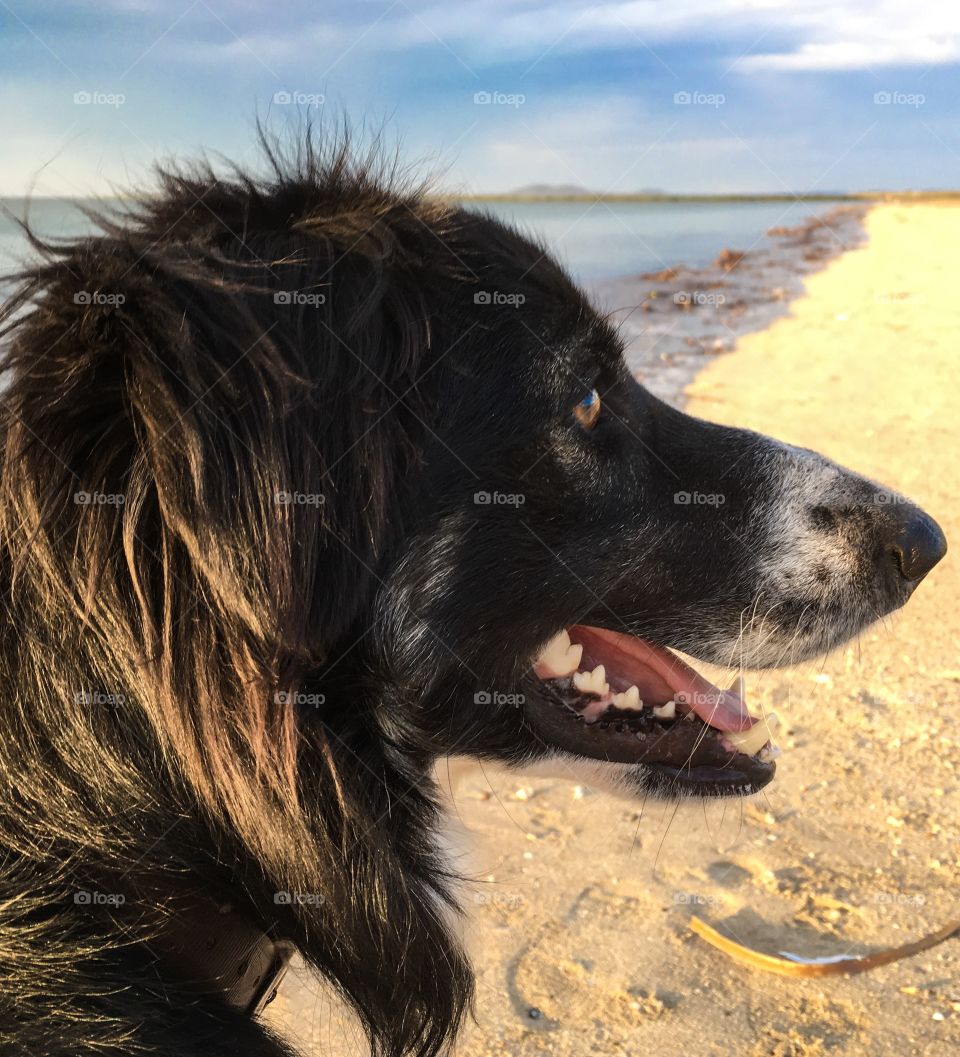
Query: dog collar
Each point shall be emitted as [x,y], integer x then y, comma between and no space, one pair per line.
[214,950]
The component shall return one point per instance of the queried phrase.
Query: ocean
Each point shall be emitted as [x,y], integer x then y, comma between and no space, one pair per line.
[597,241]
[606,240]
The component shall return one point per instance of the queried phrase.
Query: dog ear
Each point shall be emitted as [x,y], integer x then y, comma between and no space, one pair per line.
[248,448]
[198,495]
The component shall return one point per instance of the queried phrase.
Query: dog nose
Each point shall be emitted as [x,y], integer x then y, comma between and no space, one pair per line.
[916,543]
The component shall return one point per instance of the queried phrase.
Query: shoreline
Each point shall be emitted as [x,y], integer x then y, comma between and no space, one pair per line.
[674,319]
[852,197]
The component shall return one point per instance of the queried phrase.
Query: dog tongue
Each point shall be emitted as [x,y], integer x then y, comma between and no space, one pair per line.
[661,676]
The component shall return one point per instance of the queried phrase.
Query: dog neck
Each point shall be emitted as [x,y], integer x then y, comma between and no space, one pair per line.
[214,950]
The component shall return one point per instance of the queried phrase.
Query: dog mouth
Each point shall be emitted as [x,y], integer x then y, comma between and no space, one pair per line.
[614,697]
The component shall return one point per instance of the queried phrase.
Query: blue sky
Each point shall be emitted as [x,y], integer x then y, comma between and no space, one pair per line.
[683,95]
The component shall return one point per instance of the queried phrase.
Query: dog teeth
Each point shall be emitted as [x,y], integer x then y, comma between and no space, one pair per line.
[594,682]
[752,740]
[667,711]
[629,699]
[738,687]
[558,658]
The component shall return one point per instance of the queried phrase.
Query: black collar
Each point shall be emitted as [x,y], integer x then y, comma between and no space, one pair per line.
[214,950]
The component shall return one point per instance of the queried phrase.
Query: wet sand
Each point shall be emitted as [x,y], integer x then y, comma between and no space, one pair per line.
[580,903]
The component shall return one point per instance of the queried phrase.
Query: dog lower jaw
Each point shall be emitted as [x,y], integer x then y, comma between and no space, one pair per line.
[688,738]
[683,757]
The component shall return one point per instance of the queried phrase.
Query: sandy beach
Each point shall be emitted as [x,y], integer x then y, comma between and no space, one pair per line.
[580,904]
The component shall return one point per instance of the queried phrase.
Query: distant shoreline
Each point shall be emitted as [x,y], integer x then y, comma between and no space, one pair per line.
[855,197]
[589,196]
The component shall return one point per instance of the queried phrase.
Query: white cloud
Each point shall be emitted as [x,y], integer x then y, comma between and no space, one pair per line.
[855,36]
[817,34]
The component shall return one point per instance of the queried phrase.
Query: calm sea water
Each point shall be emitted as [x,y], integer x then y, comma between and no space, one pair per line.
[602,240]
[597,241]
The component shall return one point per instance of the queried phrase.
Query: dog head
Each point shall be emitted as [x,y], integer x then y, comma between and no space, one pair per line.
[573,529]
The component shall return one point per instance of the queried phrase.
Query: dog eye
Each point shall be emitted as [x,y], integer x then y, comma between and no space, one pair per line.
[588,410]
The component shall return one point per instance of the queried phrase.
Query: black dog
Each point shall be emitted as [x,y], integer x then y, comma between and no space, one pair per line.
[308,481]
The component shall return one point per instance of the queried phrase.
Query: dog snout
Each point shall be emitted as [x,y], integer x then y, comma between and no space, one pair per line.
[915,543]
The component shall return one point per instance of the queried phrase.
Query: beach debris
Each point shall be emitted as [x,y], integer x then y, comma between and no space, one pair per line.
[665,275]
[729,259]
[786,964]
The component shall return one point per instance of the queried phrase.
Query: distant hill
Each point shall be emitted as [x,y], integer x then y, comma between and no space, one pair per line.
[553,191]
[577,193]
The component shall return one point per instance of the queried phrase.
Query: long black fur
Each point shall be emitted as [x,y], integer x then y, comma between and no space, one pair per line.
[198,609]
